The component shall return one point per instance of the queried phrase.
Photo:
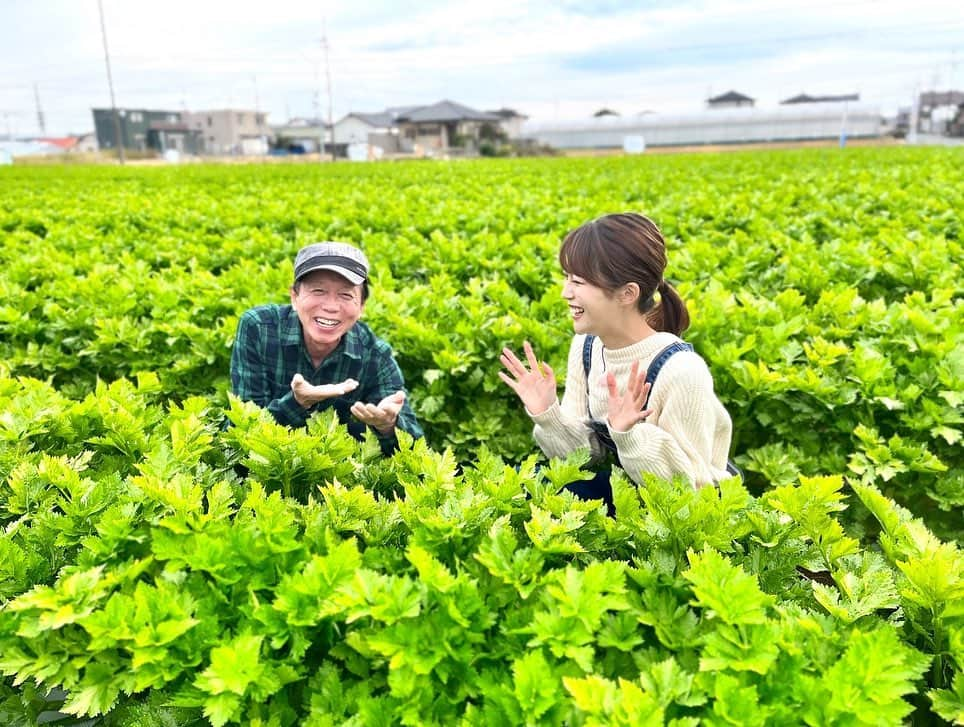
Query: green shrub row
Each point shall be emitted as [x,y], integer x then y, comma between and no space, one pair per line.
[140,574]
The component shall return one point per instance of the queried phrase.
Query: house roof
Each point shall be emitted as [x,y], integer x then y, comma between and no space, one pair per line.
[63,142]
[728,96]
[806,98]
[445,111]
[945,98]
[378,119]
[396,111]
[302,121]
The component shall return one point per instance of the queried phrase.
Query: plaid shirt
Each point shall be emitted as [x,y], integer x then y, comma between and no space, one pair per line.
[269,349]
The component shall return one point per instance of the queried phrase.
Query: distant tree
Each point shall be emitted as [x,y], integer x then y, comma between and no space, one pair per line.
[490,131]
[605,112]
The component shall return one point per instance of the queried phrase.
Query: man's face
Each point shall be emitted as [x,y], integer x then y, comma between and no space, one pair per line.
[328,305]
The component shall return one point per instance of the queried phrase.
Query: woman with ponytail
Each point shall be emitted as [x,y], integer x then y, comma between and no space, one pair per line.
[628,320]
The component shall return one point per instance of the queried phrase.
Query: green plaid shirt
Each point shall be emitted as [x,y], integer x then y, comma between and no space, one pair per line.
[269,349]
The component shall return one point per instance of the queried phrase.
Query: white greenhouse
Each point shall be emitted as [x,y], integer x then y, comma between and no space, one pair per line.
[714,126]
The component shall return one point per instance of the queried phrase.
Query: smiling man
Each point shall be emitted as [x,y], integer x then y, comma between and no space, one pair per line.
[316,354]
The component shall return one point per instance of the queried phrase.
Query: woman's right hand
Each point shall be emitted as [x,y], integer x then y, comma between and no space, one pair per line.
[536,389]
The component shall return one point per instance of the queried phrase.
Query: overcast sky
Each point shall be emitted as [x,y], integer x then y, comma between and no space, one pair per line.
[549,60]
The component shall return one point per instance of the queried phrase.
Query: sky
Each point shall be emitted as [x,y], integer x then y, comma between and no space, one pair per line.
[552,61]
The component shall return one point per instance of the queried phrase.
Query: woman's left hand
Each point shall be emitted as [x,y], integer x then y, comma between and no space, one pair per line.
[626,409]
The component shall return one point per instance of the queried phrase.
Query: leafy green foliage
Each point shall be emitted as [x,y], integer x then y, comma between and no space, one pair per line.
[162,568]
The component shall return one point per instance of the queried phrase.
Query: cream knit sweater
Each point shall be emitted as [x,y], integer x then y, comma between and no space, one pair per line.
[687,434]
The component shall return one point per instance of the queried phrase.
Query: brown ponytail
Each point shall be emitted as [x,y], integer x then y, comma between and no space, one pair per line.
[670,313]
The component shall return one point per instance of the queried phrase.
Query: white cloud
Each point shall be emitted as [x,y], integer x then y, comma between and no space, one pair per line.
[548,59]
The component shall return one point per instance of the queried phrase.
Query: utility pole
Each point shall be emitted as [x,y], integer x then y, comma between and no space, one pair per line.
[843,126]
[914,117]
[324,46]
[110,85]
[257,116]
[40,114]
[316,112]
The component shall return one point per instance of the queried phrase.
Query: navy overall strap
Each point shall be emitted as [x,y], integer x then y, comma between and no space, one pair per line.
[587,355]
[600,428]
[661,358]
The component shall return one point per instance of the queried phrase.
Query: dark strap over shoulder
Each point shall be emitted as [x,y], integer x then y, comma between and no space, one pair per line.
[587,355]
[661,358]
[600,428]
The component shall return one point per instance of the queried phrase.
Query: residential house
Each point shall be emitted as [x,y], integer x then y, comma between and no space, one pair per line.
[510,121]
[145,129]
[443,126]
[377,129]
[940,112]
[729,100]
[231,131]
[355,127]
[437,128]
[86,142]
[174,136]
[301,135]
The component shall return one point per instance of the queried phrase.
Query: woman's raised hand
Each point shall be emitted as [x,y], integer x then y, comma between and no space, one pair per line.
[626,409]
[535,385]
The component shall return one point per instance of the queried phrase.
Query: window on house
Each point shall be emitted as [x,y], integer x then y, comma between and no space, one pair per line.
[260,119]
[137,117]
[240,118]
[172,118]
[210,121]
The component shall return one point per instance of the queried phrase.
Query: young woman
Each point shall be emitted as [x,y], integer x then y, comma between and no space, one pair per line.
[627,320]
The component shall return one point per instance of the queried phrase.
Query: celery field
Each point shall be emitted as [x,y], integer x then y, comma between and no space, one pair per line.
[151,584]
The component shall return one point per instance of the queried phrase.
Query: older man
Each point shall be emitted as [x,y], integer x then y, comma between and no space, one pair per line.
[316,354]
